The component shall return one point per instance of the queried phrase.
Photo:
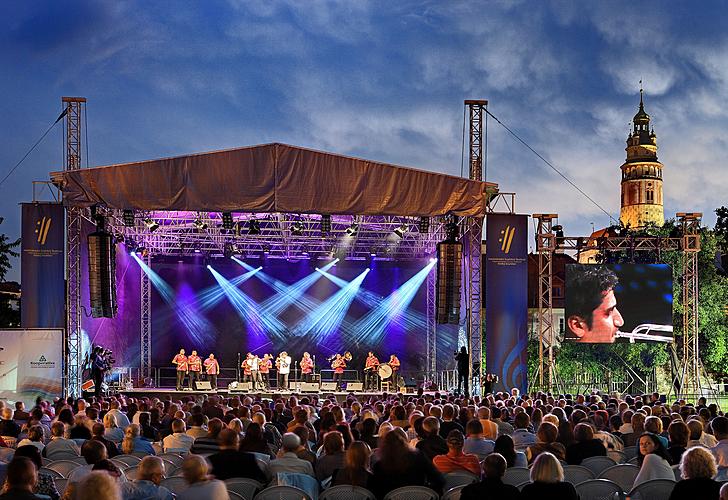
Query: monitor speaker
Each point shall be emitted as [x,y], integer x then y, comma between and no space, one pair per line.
[309,387]
[354,386]
[203,385]
[328,386]
[102,274]
[449,262]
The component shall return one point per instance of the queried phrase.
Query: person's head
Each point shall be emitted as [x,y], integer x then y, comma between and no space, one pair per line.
[698,463]
[333,443]
[592,314]
[494,466]
[546,469]
[35,433]
[431,426]
[110,420]
[194,353]
[357,456]
[650,443]
[521,420]
[583,432]
[22,474]
[182,351]
[695,425]
[7,413]
[547,432]
[474,428]
[720,427]
[679,433]
[99,485]
[653,425]
[724,492]
[638,422]
[93,451]
[290,442]
[178,425]
[505,446]
[455,441]
[151,469]
[107,466]
[214,426]
[228,439]
[194,469]
[31,452]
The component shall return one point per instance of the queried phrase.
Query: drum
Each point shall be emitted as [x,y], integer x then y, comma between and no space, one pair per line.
[384,371]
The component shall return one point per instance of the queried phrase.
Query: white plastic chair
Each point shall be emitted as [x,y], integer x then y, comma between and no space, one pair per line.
[599,489]
[656,489]
[598,464]
[516,475]
[64,467]
[282,493]
[347,492]
[576,474]
[412,493]
[175,484]
[622,474]
[453,479]
[243,486]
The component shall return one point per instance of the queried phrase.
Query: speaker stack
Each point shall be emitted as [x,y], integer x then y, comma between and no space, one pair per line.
[449,261]
[102,274]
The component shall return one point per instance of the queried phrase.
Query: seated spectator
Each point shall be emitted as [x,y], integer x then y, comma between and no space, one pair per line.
[585,446]
[432,444]
[92,452]
[208,443]
[369,432]
[653,424]
[546,435]
[110,468]
[97,432]
[178,441]
[145,428]
[112,431]
[522,437]
[21,480]
[200,485]
[476,443]
[653,460]
[679,434]
[80,429]
[355,471]
[448,421]
[455,460]
[547,480]
[134,443]
[491,487]
[500,417]
[333,455]
[197,429]
[35,438]
[697,468]
[20,414]
[230,462]
[98,485]
[504,446]
[399,466]
[255,442]
[122,421]
[697,436]
[287,460]
[146,486]
[45,484]
[8,426]
[720,450]
[490,428]
[304,451]
[59,444]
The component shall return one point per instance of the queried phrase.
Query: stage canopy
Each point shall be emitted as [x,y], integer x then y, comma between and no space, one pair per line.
[274,178]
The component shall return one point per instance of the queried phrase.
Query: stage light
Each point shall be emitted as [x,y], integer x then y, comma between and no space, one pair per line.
[297,228]
[133,253]
[128,218]
[352,230]
[433,259]
[401,230]
[254,226]
[266,249]
[227,220]
[209,266]
[424,225]
[325,224]
[200,224]
[151,224]
[197,250]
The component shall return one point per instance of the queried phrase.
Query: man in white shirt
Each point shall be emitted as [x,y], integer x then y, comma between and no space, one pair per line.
[522,438]
[58,444]
[283,364]
[178,441]
[121,419]
[288,461]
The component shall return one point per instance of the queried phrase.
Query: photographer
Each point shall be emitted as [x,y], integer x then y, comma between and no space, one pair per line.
[463,360]
[101,361]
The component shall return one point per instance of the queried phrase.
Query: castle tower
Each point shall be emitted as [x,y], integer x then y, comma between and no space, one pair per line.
[641,176]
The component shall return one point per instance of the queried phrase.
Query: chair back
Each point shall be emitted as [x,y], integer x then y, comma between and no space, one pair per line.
[235,496]
[599,489]
[174,484]
[618,456]
[61,485]
[131,473]
[62,455]
[522,485]
[169,467]
[630,452]
[129,460]
[53,473]
[453,479]
[262,456]
[64,467]
[243,486]
[656,489]
[263,465]
[172,457]
[282,493]
[516,475]
[412,493]
[121,465]
[634,461]
[622,474]
[597,464]
[347,492]
[453,493]
[301,481]
[576,474]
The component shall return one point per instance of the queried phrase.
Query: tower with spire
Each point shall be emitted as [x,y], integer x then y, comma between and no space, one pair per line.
[641,175]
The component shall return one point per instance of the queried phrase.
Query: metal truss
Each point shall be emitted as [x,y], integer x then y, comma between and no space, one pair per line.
[545,246]
[690,380]
[145,354]
[476,137]
[431,361]
[472,242]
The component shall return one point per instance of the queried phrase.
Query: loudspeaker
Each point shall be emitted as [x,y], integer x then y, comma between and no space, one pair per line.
[203,385]
[328,386]
[102,274]
[354,386]
[449,262]
[309,387]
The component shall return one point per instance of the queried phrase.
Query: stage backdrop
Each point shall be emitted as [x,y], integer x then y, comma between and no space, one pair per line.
[267,305]
[30,364]
[506,300]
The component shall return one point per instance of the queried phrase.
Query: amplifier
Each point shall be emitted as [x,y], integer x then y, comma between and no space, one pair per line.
[354,386]
[203,385]
[328,386]
[309,387]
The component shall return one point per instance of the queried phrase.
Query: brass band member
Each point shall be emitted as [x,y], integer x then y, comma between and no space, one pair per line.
[195,364]
[370,372]
[247,366]
[394,363]
[338,365]
[264,366]
[307,367]
[181,361]
[212,369]
[283,364]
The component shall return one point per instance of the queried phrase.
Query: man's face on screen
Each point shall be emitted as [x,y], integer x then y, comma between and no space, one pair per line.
[606,321]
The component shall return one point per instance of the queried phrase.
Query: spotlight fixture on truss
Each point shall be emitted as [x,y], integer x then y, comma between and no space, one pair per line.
[325,224]
[424,225]
[352,230]
[227,220]
[151,224]
[266,249]
[200,224]
[128,218]
[401,230]
[254,227]
[297,228]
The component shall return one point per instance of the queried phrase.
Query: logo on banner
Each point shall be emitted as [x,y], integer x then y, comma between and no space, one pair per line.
[507,238]
[41,229]
[42,363]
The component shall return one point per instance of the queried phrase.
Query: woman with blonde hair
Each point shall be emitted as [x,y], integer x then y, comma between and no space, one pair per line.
[112,430]
[697,468]
[98,485]
[547,480]
[134,443]
[237,425]
[356,471]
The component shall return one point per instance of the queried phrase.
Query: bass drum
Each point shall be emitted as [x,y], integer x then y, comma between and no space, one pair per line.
[384,371]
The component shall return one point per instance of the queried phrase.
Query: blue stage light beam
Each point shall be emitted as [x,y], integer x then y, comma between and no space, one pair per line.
[211,296]
[194,322]
[371,327]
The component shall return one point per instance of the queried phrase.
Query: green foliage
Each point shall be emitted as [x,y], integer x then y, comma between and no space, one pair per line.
[6,251]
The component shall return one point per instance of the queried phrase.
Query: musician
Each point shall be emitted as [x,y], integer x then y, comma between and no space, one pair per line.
[195,364]
[247,366]
[463,364]
[98,368]
[181,361]
[307,367]
[370,372]
[264,367]
[212,369]
[283,365]
[338,365]
[255,371]
[394,363]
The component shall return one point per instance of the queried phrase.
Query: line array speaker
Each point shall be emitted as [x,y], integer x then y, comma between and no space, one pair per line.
[102,274]
[449,261]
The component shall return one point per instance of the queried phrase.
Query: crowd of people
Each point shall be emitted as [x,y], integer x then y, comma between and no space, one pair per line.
[379,443]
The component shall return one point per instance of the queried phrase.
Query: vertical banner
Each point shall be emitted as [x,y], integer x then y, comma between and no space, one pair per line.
[43,301]
[506,300]
[31,364]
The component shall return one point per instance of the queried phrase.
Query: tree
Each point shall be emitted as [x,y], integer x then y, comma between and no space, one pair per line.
[8,316]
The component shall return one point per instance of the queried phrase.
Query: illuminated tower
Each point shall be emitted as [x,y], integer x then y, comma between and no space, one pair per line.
[641,176]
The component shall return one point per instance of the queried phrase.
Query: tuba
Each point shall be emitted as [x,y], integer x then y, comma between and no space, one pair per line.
[347,356]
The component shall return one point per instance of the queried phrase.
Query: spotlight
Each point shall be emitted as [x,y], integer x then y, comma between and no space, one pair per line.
[325,224]
[424,225]
[433,260]
[200,224]
[151,224]
[297,228]
[266,249]
[558,230]
[401,230]
[352,230]
[372,253]
[128,218]
[227,220]
[254,226]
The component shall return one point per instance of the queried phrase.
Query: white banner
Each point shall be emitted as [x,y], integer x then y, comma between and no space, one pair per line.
[31,364]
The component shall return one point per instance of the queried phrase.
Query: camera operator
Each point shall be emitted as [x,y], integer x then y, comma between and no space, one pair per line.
[101,361]
[463,360]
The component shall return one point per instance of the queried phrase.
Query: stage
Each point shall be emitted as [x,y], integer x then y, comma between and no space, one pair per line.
[164,393]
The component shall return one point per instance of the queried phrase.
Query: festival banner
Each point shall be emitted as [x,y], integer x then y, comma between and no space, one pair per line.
[31,364]
[42,302]
[506,300]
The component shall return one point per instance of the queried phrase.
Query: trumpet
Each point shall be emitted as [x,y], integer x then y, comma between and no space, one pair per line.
[347,356]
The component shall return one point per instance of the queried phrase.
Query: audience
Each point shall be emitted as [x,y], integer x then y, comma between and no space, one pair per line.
[455,460]
[476,442]
[98,485]
[585,446]
[45,484]
[231,462]
[199,484]
[178,441]
[146,486]
[546,435]
[8,426]
[287,460]
[547,480]
[491,487]
[355,471]
[432,444]
[59,445]
[21,480]
[134,443]
[504,446]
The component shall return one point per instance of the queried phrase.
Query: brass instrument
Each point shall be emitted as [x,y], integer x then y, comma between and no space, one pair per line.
[347,356]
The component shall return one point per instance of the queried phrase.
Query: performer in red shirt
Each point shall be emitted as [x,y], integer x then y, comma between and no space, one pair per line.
[370,372]
[181,361]
[339,365]
[264,365]
[394,363]
[247,367]
[195,364]
[212,369]
[307,367]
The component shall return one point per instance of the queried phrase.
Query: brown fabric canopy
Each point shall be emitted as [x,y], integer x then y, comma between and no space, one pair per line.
[274,178]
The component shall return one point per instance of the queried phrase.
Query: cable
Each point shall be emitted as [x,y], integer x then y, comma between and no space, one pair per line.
[34,146]
[550,165]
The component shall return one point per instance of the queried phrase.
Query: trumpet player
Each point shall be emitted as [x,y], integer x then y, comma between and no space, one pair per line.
[370,372]
[338,365]
[283,365]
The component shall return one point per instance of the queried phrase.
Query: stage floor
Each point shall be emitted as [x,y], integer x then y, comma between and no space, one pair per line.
[162,393]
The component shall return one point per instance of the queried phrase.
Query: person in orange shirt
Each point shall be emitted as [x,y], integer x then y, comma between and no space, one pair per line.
[212,369]
[306,367]
[370,372]
[455,460]
[490,428]
[195,364]
[264,366]
[181,361]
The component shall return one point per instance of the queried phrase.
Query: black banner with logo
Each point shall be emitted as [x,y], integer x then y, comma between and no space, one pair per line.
[43,298]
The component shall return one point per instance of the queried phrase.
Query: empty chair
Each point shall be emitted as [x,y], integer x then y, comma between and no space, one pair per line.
[131,473]
[630,452]
[172,457]
[174,484]
[598,464]
[282,493]
[62,455]
[453,479]
[121,465]
[599,489]
[412,493]
[576,474]
[517,475]
[656,489]
[347,492]
[53,473]
[247,488]
[617,456]
[64,467]
[453,493]
[622,474]
[129,460]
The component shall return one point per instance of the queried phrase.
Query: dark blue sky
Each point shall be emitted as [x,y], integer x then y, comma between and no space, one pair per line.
[381,80]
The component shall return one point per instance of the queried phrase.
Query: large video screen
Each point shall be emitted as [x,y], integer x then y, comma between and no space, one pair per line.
[618,303]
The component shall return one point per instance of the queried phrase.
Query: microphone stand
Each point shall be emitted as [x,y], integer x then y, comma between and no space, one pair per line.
[295,374]
[237,370]
[313,369]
